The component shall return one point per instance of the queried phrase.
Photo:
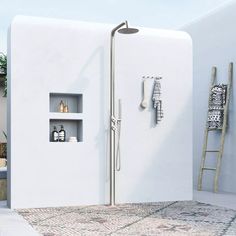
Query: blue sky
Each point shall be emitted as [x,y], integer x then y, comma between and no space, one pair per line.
[170,14]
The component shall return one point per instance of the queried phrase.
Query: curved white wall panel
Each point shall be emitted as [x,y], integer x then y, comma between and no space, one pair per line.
[57,56]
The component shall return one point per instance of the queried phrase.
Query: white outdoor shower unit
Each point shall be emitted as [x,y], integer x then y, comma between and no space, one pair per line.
[54,61]
[115,123]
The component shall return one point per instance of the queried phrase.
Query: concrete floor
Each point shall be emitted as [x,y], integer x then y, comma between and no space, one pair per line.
[222,199]
[12,224]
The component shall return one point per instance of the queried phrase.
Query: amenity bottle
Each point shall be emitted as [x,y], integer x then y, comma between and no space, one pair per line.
[61,106]
[62,134]
[54,134]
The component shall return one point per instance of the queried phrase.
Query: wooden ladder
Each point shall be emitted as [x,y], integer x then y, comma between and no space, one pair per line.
[223,132]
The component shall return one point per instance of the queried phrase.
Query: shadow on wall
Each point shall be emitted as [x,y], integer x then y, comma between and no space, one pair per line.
[85,82]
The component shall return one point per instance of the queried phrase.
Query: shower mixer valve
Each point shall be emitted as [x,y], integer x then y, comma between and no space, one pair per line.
[114,123]
[116,127]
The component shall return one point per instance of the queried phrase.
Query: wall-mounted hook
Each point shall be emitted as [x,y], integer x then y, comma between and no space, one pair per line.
[151,77]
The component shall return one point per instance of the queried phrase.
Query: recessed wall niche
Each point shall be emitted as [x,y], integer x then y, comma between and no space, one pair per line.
[74,102]
[71,120]
[73,128]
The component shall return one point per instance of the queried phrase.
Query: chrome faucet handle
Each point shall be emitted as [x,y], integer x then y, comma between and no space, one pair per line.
[113,127]
[113,122]
[113,119]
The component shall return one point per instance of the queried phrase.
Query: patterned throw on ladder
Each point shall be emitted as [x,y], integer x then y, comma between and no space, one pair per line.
[216,106]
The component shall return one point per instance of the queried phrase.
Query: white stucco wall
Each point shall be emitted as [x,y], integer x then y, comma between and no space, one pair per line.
[170,15]
[73,57]
[160,156]
[214,40]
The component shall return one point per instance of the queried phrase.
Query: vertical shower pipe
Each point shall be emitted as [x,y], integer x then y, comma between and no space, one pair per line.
[113,120]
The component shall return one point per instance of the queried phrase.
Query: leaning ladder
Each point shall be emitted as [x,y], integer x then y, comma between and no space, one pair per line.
[223,132]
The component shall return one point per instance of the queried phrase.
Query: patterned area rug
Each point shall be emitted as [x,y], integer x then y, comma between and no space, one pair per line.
[148,219]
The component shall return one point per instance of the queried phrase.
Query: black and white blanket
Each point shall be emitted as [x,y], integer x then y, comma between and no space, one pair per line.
[216,106]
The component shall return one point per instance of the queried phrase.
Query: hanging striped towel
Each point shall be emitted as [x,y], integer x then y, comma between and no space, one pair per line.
[157,102]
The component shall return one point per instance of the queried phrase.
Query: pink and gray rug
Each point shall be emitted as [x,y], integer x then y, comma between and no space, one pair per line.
[148,219]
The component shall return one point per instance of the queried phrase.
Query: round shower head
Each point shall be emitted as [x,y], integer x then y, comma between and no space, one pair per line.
[128,31]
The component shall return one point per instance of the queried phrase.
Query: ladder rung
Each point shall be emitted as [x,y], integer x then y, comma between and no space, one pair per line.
[213,129]
[209,168]
[212,109]
[212,151]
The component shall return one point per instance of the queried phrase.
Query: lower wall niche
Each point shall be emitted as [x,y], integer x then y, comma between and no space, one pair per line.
[73,128]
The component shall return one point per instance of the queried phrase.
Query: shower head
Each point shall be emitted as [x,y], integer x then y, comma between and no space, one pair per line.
[128,30]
